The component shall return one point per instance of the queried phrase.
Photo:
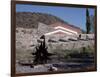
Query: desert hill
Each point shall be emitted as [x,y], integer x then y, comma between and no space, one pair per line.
[31,20]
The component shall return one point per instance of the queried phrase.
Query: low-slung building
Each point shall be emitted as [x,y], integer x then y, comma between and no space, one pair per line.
[64,29]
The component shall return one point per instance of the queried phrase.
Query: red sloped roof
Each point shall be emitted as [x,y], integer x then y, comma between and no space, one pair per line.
[68,26]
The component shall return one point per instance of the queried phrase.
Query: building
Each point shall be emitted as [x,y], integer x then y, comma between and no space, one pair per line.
[61,30]
[64,28]
[58,31]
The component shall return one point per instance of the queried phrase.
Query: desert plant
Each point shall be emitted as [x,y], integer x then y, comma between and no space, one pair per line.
[83,52]
[41,55]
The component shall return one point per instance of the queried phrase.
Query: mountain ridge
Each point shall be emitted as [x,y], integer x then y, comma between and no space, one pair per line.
[31,20]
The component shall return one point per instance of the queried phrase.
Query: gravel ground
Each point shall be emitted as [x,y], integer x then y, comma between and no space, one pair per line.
[28,69]
[58,67]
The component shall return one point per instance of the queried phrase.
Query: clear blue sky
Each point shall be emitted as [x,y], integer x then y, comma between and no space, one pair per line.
[74,16]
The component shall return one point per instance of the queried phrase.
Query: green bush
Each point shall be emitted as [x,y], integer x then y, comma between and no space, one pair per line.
[82,52]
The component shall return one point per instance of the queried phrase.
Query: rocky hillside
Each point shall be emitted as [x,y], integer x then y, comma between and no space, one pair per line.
[31,20]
